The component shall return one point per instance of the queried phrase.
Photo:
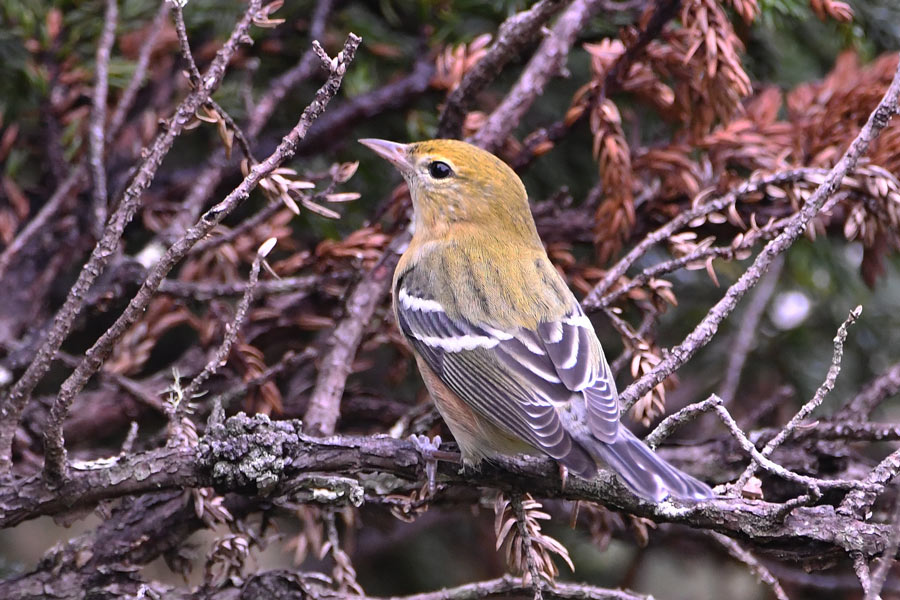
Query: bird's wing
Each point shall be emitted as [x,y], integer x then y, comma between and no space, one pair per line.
[566,354]
[519,378]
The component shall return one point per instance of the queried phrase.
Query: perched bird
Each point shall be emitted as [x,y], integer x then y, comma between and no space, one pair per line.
[508,355]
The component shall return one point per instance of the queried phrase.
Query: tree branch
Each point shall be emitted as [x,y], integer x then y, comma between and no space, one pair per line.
[256,456]
[55,456]
[324,405]
[514,34]
[15,400]
[547,62]
[708,326]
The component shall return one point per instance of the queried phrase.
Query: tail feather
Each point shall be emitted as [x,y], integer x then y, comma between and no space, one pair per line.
[645,473]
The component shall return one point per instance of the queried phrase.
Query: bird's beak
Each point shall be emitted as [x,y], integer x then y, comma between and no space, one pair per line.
[396,154]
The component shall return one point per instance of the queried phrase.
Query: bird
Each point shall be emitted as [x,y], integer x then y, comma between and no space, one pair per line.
[506,351]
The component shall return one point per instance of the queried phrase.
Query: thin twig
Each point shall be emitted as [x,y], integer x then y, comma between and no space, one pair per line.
[708,326]
[698,256]
[185,43]
[77,176]
[97,127]
[232,330]
[643,330]
[70,185]
[393,95]
[747,331]
[55,455]
[687,414]
[243,142]
[887,559]
[248,224]
[194,76]
[881,388]
[213,172]
[811,483]
[664,11]
[514,34]
[201,291]
[827,430]
[129,385]
[284,83]
[287,364]
[817,399]
[126,100]
[261,216]
[756,567]
[598,296]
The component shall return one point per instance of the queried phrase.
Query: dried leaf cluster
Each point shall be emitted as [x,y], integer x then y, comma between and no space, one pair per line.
[527,547]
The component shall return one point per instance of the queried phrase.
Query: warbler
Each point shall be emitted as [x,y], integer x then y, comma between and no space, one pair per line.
[505,349]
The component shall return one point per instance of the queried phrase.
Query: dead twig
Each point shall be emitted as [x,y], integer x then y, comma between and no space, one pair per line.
[97,129]
[231,331]
[601,295]
[213,172]
[756,567]
[747,331]
[15,400]
[202,291]
[324,407]
[815,401]
[881,388]
[126,100]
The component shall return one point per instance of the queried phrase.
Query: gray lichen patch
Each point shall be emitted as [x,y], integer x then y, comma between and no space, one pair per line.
[323,489]
[248,452]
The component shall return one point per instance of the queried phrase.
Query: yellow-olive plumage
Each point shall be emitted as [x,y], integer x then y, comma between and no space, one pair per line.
[508,355]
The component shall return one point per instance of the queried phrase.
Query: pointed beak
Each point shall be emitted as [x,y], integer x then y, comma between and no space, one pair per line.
[396,154]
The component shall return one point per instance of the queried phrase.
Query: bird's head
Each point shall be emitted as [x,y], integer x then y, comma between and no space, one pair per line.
[455,182]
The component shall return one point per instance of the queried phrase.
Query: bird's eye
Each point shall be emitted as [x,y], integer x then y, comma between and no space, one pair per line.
[439,170]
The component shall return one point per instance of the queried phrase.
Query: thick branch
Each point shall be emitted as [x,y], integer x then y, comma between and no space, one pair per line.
[276,460]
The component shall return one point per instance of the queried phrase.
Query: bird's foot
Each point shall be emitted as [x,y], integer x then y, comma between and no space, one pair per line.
[429,448]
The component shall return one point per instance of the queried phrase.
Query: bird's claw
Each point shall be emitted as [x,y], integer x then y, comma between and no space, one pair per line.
[429,448]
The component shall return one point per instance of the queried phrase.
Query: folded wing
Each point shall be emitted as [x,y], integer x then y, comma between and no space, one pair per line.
[518,379]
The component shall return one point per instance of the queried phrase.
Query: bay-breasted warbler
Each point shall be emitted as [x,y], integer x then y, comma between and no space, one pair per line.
[508,355]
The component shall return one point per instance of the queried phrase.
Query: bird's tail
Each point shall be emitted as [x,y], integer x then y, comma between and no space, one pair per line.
[645,473]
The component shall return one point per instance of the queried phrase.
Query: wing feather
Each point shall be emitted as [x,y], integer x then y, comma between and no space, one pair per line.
[517,379]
